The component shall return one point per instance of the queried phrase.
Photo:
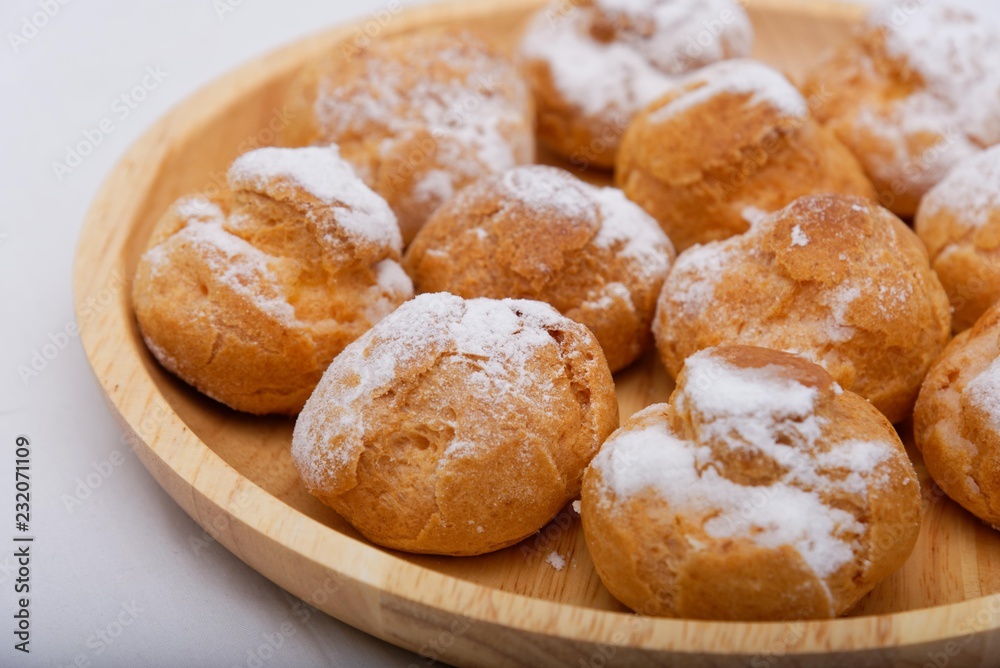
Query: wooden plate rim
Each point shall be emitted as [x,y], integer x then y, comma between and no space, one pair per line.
[204,485]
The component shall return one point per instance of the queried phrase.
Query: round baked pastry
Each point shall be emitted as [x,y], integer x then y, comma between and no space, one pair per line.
[761,491]
[250,296]
[959,221]
[419,116]
[836,279]
[732,141]
[594,63]
[540,233]
[457,427]
[956,423]
[914,92]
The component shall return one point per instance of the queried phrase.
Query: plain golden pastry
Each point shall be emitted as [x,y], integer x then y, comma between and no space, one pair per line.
[593,64]
[419,116]
[457,426]
[540,233]
[836,279]
[761,491]
[248,297]
[959,221]
[914,92]
[731,142]
[956,423]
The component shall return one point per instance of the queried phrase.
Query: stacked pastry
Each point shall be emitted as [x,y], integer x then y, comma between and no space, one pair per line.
[801,318]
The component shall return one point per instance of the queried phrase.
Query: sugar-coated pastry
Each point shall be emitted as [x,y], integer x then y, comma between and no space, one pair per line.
[732,141]
[956,423]
[540,233]
[594,63]
[457,426]
[836,279]
[959,221]
[248,297]
[419,115]
[761,491]
[913,92]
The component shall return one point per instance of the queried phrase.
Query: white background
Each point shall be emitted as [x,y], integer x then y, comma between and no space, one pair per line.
[127,544]
[119,559]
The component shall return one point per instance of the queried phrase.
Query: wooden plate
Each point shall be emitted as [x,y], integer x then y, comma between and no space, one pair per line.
[233,474]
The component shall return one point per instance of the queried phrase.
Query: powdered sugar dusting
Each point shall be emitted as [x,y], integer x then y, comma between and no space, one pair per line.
[391,277]
[753,215]
[618,77]
[321,172]
[888,297]
[195,208]
[970,191]
[607,295]
[501,337]
[164,358]
[718,390]
[392,286]
[952,46]
[437,185]
[191,209]
[556,560]
[599,78]
[983,391]
[234,262]
[799,238]
[839,300]
[686,34]
[247,270]
[632,232]
[691,283]
[461,121]
[774,418]
[623,227]
[548,189]
[763,85]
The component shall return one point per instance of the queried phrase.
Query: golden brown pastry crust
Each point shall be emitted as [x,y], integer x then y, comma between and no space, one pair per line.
[457,426]
[837,279]
[419,115]
[790,501]
[956,422]
[249,297]
[906,94]
[540,233]
[593,65]
[959,221]
[732,141]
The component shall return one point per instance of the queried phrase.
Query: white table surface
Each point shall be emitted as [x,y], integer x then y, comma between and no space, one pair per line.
[120,578]
[119,574]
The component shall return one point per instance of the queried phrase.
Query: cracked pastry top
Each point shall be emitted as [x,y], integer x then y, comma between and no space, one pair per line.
[959,221]
[838,280]
[248,296]
[761,491]
[593,64]
[418,115]
[731,142]
[457,426]
[914,92]
[956,423]
[540,233]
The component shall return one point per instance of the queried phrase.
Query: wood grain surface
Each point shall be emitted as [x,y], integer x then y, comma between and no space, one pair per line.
[233,474]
